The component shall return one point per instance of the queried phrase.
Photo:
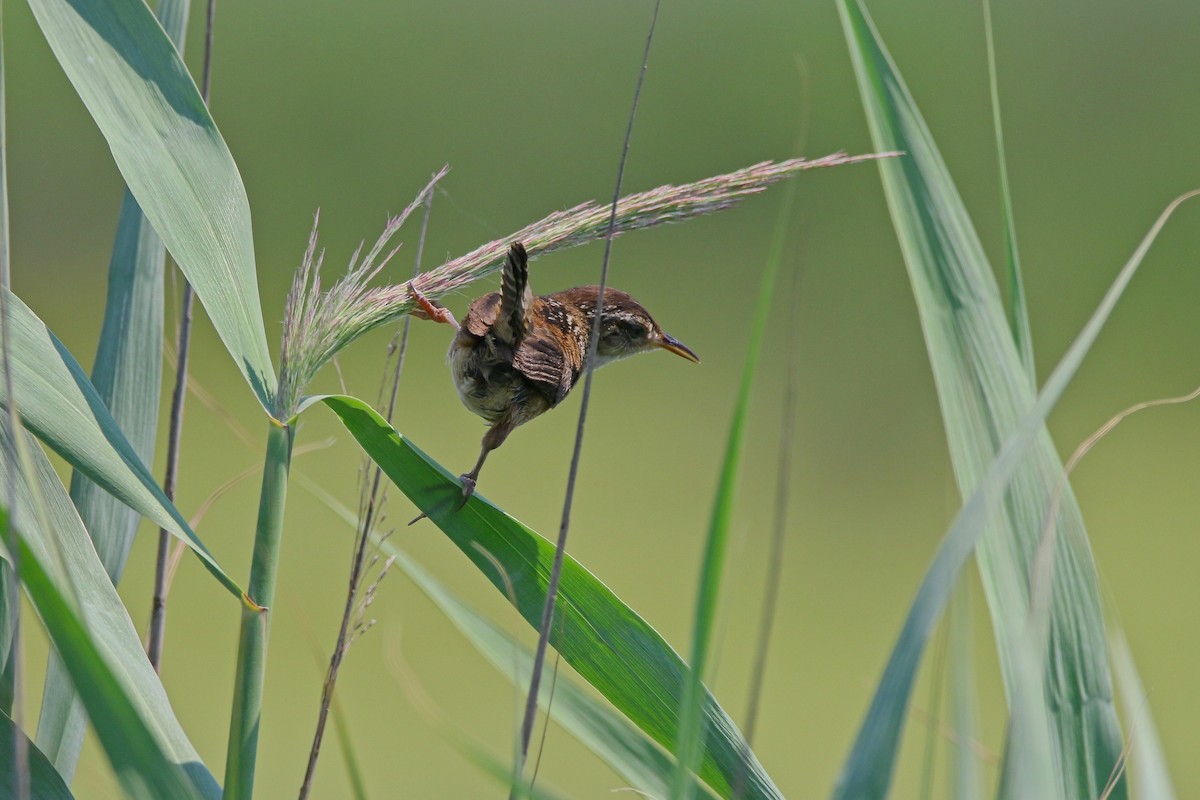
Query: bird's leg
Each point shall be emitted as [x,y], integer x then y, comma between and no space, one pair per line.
[428,309]
[491,440]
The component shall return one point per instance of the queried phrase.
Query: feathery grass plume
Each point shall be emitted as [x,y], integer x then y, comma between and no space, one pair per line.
[317,325]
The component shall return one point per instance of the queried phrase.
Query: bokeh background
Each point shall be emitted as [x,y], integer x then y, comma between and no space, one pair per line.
[350,106]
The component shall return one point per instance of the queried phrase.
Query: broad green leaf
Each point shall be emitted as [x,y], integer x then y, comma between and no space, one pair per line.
[128,379]
[127,374]
[1151,778]
[985,391]
[92,633]
[172,157]
[608,644]
[44,781]
[60,405]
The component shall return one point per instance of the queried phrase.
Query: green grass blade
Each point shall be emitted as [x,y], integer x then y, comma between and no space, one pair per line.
[984,390]
[44,781]
[75,598]
[127,374]
[172,157]
[141,766]
[1151,778]
[691,727]
[128,378]
[1018,310]
[60,405]
[603,639]
[868,769]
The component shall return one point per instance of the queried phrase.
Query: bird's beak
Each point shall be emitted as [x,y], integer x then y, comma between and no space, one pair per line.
[669,342]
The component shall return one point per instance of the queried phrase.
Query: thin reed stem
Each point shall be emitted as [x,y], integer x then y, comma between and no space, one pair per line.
[539,657]
[183,339]
[371,504]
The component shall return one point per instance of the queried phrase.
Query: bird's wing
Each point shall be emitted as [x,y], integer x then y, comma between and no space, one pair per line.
[514,321]
[542,361]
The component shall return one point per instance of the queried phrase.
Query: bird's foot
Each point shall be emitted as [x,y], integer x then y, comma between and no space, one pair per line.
[468,487]
[428,309]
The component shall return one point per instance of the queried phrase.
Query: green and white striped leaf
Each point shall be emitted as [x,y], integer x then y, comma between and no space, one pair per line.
[604,640]
[172,157]
[60,405]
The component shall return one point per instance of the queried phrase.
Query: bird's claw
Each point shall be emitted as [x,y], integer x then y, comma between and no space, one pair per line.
[468,488]
[428,309]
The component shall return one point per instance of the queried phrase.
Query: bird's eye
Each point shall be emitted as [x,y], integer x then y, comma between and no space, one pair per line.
[635,330]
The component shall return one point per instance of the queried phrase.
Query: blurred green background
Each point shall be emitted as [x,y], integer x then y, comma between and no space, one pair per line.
[350,106]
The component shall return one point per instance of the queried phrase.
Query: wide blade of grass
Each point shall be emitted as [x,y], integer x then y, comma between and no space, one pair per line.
[60,405]
[44,780]
[127,374]
[172,157]
[985,390]
[93,634]
[603,639]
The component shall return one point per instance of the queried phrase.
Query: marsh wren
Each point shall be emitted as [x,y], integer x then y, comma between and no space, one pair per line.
[516,356]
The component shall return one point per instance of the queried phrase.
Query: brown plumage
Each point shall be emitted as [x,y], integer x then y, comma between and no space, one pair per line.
[516,355]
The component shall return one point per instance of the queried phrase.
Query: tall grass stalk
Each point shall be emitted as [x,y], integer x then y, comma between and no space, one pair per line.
[371,503]
[539,657]
[252,643]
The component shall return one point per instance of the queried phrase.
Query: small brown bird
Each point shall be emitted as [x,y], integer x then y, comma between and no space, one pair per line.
[516,356]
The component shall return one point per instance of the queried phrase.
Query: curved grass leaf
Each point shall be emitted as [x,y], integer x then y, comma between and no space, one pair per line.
[608,644]
[60,405]
[127,374]
[172,157]
[92,633]
[868,769]
[985,394]
[44,781]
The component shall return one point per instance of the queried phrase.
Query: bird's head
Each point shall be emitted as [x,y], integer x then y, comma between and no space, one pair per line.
[626,329]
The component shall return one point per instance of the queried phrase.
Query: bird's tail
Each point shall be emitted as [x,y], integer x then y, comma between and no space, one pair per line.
[516,298]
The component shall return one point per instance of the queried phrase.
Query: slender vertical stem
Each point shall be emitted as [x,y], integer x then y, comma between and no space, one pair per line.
[252,644]
[560,548]
[158,606]
[373,501]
